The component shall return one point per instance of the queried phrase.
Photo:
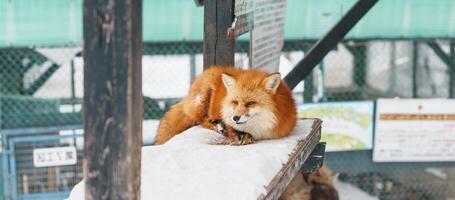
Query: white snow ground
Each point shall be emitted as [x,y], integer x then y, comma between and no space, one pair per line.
[190,165]
[347,191]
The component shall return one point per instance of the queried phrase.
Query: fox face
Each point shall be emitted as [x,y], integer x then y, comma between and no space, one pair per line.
[249,104]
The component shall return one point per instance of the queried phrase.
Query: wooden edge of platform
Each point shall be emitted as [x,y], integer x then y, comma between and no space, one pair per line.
[296,159]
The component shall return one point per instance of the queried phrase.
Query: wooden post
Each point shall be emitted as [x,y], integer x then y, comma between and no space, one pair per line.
[112,98]
[218,17]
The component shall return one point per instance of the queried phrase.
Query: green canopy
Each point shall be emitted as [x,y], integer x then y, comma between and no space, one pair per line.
[59,22]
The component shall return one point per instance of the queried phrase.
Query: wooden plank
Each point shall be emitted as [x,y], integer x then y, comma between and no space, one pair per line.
[296,160]
[218,17]
[112,98]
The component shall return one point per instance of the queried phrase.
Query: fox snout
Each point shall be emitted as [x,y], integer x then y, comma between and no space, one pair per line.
[240,119]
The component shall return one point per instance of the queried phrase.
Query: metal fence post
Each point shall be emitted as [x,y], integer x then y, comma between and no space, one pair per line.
[452,70]
[112,98]
[415,54]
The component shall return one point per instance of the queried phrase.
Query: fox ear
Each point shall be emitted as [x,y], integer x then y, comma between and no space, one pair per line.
[228,81]
[272,82]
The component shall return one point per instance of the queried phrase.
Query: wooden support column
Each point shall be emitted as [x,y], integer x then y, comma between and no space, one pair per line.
[112,99]
[218,17]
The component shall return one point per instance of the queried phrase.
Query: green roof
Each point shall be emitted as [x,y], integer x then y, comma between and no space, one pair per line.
[59,22]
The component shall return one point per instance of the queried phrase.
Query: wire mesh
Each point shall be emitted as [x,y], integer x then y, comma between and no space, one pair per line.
[31,179]
[43,87]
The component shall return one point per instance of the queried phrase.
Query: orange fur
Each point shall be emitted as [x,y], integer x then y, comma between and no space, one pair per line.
[208,99]
[312,186]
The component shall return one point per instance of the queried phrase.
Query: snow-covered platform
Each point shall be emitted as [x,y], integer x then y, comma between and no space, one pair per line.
[191,166]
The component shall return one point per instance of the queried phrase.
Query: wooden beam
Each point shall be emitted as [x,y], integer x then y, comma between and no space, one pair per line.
[439,52]
[328,42]
[218,49]
[449,60]
[112,98]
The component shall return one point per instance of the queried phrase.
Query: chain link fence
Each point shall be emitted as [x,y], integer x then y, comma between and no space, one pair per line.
[42,87]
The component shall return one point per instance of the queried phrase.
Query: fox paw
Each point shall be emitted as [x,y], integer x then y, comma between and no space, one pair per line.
[244,138]
[227,141]
[220,126]
[215,121]
[241,138]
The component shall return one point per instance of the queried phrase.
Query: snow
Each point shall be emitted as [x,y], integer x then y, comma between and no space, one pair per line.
[190,165]
[347,191]
[149,129]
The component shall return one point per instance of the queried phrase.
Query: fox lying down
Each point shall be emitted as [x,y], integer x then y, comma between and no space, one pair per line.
[243,105]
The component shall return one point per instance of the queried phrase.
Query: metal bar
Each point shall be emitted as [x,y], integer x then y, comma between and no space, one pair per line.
[218,49]
[448,59]
[41,80]
[43,138]
[308,89]
[440,53]
[415,54]
[12,167]
[328,42]
[45,195]
[359,54]
[452,70]
[72,81]
[196,47]
[316,159]
[192,67]
[112,99]
[38,130]
[5,168]
[362,161]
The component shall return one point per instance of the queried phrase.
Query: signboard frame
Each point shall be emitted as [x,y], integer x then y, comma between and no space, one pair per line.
[414,130]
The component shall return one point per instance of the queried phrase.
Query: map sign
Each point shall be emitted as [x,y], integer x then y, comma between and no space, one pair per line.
[414,130]
[345,125]
[265,21]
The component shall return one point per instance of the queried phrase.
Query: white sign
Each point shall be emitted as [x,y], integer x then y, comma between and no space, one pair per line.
[57,156]
[244,17]
[265,21]
[267,36]
[414,130]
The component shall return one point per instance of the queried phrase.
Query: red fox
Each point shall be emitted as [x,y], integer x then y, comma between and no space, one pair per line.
[318,185]
[243,105]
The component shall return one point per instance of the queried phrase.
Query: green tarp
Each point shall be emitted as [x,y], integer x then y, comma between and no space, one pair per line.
[59,22]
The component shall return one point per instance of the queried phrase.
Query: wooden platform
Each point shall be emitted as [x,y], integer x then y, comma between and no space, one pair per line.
[296,160]
[190,165]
